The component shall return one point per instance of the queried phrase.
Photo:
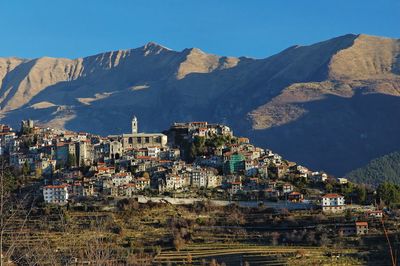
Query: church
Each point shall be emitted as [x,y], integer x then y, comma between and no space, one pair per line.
[136,140]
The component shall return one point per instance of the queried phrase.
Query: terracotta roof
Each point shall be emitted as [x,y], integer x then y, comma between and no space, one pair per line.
[378,211]
[53,186]
[361,223]
[332,195]
[145,157]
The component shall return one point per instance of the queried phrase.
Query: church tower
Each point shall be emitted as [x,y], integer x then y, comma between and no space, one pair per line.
[134,125]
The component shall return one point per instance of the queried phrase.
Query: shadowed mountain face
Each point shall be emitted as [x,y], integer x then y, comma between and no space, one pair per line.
[333,105]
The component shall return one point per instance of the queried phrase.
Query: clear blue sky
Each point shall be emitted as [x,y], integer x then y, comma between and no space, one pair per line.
[255,28]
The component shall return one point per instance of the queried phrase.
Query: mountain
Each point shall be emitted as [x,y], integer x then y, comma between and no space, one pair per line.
[333,105]
[379,170]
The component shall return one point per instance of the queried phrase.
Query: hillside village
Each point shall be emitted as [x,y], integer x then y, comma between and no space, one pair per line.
[189,160]
[189,165]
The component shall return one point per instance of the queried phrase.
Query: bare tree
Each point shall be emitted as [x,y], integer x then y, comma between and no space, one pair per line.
[14,216]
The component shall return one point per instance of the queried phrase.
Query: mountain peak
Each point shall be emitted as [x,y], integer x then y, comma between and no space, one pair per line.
[154,48]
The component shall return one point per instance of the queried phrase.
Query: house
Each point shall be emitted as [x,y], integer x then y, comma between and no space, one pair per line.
[271,184]
[142,183]
[361,228]
[198,178]
[342,180]
[295,196]
[233,163]
[278,170]
[127,190]
[319,176]
[214,181]
[251,167]
[56,194]
[347,230]
[154,151]
[170,182]
[333,203]
[375,214]
[46,166]
[287,188]
[252,184]
[271,193]
[235,187]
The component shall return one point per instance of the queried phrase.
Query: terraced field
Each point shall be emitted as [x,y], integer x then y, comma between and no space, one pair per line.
[146,236]
[239,254]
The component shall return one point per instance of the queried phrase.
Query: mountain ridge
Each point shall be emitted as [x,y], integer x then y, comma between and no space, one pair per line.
[261,98]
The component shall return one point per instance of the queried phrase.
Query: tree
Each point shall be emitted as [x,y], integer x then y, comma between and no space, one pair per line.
[349,215]
[146,175]
[389,193]
[25,169]
[328,187]
[361,194]
[323,239]
[178,241]
[18,209]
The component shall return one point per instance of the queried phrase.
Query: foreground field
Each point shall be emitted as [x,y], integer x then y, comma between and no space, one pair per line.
[163,234]
[240,254]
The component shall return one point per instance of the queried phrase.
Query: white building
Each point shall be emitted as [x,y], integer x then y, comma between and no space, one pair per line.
[319,176]
[153,152]
[56,194]
[342,180]
[198,178]
[333,203]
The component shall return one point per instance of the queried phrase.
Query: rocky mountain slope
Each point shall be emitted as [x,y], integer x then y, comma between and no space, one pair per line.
[331,105]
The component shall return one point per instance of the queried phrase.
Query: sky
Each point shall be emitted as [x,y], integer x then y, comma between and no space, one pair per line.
[253,28]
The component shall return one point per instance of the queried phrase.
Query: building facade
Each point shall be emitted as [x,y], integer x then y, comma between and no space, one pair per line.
[57,194]
[333,203]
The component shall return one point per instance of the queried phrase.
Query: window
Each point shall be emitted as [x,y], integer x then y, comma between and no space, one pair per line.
[147,139]
[130,140]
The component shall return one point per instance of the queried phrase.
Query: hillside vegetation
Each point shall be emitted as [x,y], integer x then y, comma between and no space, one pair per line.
[379,170]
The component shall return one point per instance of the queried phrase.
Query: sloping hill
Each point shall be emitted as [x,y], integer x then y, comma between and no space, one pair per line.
[331,105]
[379,170]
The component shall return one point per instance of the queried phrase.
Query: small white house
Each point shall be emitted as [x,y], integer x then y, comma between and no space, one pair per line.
[333,203]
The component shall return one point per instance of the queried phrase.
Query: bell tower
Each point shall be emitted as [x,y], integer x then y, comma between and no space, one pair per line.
[134,125]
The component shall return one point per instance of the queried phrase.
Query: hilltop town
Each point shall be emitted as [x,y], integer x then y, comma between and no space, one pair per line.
[194,159]
[189,164]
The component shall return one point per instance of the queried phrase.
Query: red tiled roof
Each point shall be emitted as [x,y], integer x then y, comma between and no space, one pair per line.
[53,186]
[362,223]
[332,195]
[378,211]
